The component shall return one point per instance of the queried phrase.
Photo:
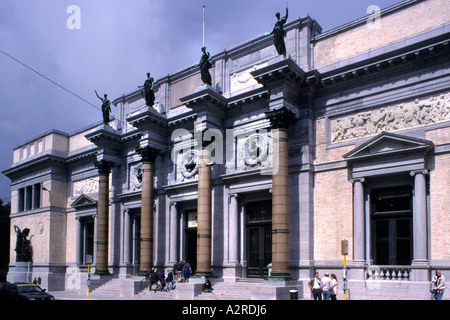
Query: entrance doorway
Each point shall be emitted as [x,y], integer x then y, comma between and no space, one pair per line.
[392,226]
[88,238]
[259,238]
[191,239]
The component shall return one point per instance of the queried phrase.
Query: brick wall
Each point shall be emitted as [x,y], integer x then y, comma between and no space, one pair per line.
[333,214]
[393,27]
[440,208]
[322,153]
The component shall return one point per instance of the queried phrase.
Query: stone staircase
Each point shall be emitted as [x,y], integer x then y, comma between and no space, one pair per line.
[223,290]
[106,287]
[148,294]
[239,290]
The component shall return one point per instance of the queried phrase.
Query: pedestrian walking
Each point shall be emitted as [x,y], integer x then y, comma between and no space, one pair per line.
[153,279]
[169,280]
[179,272]
[334,288]
[438,285]
[326,286]
[187,271]
[316,287]
[162,280]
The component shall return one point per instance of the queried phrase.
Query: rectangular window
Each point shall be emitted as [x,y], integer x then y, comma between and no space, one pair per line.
[28,198]
[37,196]
[392,199]
[391,221]
[21,195]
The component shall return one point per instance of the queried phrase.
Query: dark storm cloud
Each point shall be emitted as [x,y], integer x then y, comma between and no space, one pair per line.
[118,43]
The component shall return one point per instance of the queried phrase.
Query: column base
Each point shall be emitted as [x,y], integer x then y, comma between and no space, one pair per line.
[143,273]
[203,275]
[280,276]
[102,273]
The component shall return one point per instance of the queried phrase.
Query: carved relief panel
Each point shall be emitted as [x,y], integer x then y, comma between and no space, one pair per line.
[414,113]
[254,151]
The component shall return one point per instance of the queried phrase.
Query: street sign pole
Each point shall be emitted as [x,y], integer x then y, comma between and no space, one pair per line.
[88,262]
[344,252]
[89,280]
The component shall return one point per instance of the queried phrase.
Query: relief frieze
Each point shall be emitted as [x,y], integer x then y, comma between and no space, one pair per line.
[85,186]
[414,113]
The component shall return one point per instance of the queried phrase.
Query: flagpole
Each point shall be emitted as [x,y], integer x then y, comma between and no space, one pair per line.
[203,26]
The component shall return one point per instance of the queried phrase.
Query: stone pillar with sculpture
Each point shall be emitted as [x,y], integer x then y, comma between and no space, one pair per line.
[148,155]
[204,214]
[280,120]
[104,169]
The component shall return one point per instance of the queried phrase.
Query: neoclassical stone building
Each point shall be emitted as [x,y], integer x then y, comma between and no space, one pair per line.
[262,174]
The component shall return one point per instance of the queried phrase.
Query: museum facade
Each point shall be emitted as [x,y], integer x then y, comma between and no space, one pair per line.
[266,171]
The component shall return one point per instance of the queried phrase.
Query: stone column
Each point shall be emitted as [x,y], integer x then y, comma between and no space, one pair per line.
[181,226]
[95,238]
[78,257]
[104,168]
[358,221]
[126,238]
[204,208]
[280,120]
[420,217]
[233,232]
[146,247]
[173,233]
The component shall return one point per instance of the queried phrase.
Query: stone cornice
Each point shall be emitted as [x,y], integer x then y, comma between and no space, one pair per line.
[105,135]
[147,117]
[387,64]
[205,96]
[278,72]
[45,159]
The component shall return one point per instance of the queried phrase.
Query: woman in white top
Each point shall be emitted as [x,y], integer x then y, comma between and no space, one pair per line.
[334,288]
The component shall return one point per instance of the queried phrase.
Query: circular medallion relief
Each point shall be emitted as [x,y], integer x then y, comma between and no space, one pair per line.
[189,164]
[136,175]
[40,227]
[255,150]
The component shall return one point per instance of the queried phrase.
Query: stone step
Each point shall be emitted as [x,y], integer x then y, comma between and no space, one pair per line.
[239,290]
[158,295]
[111,287]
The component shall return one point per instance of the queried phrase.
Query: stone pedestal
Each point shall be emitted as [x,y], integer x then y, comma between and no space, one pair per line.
[277,290]
[188,291]
[23,272]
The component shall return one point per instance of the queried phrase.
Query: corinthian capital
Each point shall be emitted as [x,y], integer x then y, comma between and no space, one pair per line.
[103,166]
[148,154]
[280,118]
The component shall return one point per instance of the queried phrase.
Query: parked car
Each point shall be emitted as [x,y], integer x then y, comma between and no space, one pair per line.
[23,291]
[6,292]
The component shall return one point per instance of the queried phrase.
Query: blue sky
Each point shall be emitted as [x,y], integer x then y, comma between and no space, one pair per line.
[117,43]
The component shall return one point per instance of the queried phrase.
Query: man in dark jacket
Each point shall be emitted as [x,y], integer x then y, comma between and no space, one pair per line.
[169,280]
[154,278]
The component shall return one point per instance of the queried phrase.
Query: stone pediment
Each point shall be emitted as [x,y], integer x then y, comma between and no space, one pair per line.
[83,201]
[388,144]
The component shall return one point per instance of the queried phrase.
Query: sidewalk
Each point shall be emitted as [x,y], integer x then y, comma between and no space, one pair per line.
[73,295]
